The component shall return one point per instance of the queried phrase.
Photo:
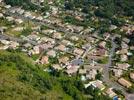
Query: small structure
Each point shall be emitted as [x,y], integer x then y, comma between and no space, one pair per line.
[57,35]
[78,51]
[57,67]
[124,82]
[96,84]
[123,66]
[117,72]
[63,60]
[51,53]
[44,60]
[110,93]
[132,76]
[61,47]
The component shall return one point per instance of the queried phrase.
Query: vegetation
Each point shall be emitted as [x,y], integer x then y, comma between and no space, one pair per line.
[28,5]
[26,31]
[106,8]
[22,79]
[25,3]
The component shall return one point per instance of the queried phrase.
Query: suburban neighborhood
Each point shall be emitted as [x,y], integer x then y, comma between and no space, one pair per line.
[103,61]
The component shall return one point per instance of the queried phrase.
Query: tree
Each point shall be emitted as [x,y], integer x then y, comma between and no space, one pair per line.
[69,5]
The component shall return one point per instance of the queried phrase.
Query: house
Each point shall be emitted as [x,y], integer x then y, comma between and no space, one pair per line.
[61,47]
[74,28]
[124,58]
[51,53]
[37,2]
[117,72]
[106,35]
[4,47]
[44,39]
[21,11]
[78,51]
[36,50]
[57,35]
[124,82]
[33,37]
[48,31]
[100,52]
[8,6]
[13,45]
[56,66]
[63,60]
[52,41]
[86,46]
[122,51]
[54,9]
[82,71]
[1,15]
[10,19]
[66,42]
[126,40]
[79,18]
[40,18]
[5,42]
[1,1]
[2,29]
[96,84]
[46,46]
[131,47]
[72,69]
[102,44]
[132,76]
[113,27]
[18,28]
[19,21]
[47,39]
[44,60]
[110,93]
[74,38]
[27,45]
[123,66]
[28,14]
[124,45]
[91,74]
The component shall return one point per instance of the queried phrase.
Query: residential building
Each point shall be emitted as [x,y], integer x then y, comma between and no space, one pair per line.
[110,93]
[124,82]
[44,60]
[132,76]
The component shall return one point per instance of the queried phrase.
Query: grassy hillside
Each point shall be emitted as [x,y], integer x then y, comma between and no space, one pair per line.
[20,79]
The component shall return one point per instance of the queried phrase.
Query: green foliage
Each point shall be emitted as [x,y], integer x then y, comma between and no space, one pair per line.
[130,90]
[53,60]
[70,89]
[33,78]
[98,76]
[96,94]
[72,20]
[26,4]
[26,31]
[106,8]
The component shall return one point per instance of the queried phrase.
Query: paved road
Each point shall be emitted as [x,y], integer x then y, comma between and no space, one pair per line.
[106,77]
[106,68]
